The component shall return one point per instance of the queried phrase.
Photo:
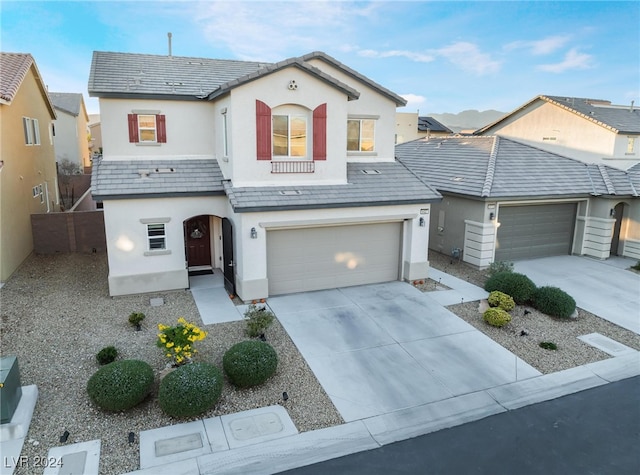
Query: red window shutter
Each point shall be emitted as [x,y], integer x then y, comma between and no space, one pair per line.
[263,130]
[133,128]
[162,128]
[320,132]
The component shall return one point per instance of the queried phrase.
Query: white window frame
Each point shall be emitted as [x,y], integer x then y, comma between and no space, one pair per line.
[225,134]
[160,238]
[28,130]
[360,121]
[36,131]
[154,128]
[41,193]
[289,156]
[631,145]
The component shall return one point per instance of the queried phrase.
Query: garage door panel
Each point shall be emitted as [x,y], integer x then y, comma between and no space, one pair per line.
[527,232]
[328,257]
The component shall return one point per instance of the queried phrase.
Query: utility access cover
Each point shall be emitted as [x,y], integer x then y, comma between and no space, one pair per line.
[256,426]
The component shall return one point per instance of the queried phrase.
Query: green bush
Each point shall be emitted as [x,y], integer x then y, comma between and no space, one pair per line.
[636,266]
[498,267]
[136,318]
[496,317]
[121,385]
[107,355]
[191,389]
[501,300]
[258,319]
[519,286]
[548,345]
[250,363]
[554,301]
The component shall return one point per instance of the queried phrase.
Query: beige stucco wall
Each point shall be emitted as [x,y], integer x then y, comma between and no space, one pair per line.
[406,127]
[70,141]
[450,215]
[25,166]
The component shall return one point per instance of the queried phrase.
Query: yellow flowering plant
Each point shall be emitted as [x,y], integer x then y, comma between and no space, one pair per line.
[177,341]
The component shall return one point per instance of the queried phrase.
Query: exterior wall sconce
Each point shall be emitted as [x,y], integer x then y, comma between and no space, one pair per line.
[612,213]
[254,233]
[492,216]
[421,222]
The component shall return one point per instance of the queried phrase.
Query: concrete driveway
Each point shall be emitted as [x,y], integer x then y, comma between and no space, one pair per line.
[604,288]
[381,348]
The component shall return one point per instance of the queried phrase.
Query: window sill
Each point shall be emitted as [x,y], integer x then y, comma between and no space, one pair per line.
[362,154]
[163,252]
[148,144]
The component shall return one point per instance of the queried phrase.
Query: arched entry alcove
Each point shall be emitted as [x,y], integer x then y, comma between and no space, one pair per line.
[619,213]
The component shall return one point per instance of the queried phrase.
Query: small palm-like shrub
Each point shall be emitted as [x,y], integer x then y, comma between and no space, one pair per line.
[190,390]
[496,317]
[250,363]
[258,319]
[554,301]
[136,318]
[548,345]
[498,267]
[121,385]
[501,300]
[107,355]
[518,286]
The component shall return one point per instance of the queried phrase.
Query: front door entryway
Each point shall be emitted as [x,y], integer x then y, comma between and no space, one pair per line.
[198,241]
[615,239]
[227,257]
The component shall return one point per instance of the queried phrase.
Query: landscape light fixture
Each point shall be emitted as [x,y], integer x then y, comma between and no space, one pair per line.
[421,222]
[254,233]
[492,216]
[612,213]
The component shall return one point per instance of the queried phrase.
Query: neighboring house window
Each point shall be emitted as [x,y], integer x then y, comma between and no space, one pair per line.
[225,134]
[41,193]
[147,128]
[156,236]
[35,191]
[289,136]
[28,130]
[360,135]
[631,145]
[36,131]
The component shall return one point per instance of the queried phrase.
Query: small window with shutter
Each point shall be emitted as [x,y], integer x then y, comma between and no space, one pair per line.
[147,128]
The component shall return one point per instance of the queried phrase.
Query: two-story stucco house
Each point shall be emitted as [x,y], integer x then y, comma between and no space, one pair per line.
[282,176]
[28,182]
[70,137]
[589,130]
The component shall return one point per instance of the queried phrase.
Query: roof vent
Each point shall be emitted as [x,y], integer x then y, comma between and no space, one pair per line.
[195,63]
[457,178]
[165,170]
[371,172]
[144,174]
[169,83]
[290,192]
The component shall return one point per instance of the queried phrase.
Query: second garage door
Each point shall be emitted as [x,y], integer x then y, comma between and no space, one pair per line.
[306,259]
[527,232]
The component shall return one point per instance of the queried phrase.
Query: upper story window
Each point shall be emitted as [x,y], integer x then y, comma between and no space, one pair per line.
[31,129]
[147,128]
[631,145]
[289,136]
[361,135]
[225,134]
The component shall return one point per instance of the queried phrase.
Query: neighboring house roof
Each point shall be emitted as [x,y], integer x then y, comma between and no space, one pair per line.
[400,101]
[272,68]
[394,184]
[13,69]
[121,179]
[429,124]
[617,118]
[146,76]
[500,168]
[69,102]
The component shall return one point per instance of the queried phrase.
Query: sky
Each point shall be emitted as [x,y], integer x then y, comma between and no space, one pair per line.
[442,56]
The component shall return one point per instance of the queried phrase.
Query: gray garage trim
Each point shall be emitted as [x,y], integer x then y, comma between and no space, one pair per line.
[307,259]
[527,232]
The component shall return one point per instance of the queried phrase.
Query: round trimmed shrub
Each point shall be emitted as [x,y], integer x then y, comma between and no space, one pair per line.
[190,389]
[518,286]
[496,317]
[554,301]
[107,355]
[250,363]
[501,300]
[121,385]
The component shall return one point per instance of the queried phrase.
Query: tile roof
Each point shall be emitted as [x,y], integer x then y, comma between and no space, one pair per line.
[69,102]
[393,185]
[430,124]
[13,69]
[620,119]
[123,179]
[495,167]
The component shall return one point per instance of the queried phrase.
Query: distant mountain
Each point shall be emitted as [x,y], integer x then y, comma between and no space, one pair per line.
[467,120]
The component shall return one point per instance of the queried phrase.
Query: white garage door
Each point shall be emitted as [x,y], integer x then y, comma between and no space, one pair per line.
[527,232]
[305,259]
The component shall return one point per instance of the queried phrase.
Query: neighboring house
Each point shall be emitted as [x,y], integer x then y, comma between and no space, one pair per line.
[28,182]
[95,132]
[504,201]
[589,130]
[410,126]
[281,175]
[70,137]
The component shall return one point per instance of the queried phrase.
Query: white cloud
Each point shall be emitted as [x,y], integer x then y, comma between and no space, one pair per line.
[413,101]
[572,60]
[468,57]
[540,47]
[417,57]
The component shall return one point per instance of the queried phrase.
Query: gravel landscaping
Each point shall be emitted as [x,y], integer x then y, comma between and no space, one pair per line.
[525,331]
[57,314]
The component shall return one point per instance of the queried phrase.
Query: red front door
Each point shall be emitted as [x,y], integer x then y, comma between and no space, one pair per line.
[197,234]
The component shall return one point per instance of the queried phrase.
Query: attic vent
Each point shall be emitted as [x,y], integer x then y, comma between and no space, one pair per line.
[198,63]
[144,174]
[169,83]
[371,172]
[457,178]
[290,192]
[165,170]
